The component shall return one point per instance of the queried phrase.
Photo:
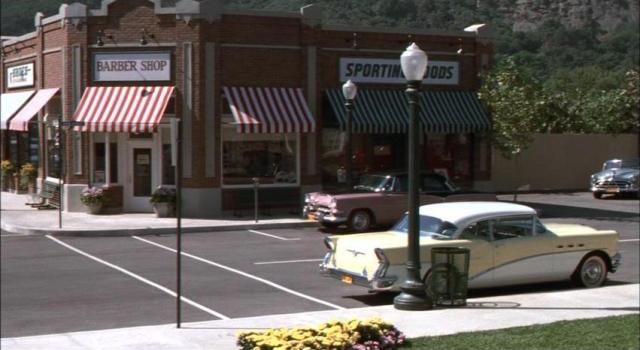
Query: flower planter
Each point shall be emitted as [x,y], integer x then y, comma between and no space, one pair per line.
[94,208]
[17,187]
[6,180]
[164,209]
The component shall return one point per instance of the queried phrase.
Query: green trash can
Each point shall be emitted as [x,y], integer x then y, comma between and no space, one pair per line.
[449,276]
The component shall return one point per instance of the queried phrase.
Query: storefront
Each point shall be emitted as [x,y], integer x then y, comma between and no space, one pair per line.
[24,99]
[256,93]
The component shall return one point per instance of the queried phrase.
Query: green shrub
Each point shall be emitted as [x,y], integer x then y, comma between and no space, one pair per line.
[6,167]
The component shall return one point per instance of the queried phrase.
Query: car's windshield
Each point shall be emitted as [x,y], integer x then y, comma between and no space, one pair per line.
[429,227]
[370,183]
[622,163]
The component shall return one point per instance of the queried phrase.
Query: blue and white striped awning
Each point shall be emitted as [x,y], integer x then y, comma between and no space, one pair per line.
[387,111]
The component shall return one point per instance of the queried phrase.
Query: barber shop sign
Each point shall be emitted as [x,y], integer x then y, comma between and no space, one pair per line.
[20,76]
[132,66]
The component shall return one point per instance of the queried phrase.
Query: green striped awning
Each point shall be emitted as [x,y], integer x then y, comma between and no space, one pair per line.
[387,111]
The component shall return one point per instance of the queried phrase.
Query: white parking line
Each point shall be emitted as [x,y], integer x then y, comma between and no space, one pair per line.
[140,278]
[285,261]
[242,273]
[274,236]
[629,240]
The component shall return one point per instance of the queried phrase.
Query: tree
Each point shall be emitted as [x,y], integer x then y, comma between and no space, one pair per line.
[515,102]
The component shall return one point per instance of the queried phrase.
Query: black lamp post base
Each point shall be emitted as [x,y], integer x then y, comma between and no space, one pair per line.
[413,298]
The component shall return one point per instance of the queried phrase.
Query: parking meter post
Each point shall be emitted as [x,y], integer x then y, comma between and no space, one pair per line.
[255,198]
[60,140]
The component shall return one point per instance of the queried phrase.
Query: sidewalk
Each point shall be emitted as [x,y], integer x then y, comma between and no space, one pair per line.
[16,217]
[480,314]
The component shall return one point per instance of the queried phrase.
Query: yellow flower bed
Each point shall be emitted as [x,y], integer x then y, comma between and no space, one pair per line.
[368,334]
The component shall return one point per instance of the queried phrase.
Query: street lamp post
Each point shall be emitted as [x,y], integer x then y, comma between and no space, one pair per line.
[349,90]
[413,297]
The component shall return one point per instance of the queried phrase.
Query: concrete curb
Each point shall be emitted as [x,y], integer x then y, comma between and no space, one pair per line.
[142,231]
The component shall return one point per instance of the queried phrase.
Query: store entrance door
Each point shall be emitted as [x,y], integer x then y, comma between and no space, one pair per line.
[140,177]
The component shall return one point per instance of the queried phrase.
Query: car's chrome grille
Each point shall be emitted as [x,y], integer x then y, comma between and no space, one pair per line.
[613,184]
[323,210]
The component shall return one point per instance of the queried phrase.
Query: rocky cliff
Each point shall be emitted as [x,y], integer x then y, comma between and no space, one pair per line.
[527,15]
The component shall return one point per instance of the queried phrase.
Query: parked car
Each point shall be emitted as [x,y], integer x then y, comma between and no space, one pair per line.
[508,245]
[380,199]
[618,176]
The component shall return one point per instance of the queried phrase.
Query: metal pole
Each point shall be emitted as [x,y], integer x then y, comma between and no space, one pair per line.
[60,170]
[178,172]
[413,296]
[255,198]
[348,164]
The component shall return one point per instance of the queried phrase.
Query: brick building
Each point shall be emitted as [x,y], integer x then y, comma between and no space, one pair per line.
[257,93]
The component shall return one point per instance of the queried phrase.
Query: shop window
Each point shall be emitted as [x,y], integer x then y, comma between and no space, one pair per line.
[14,148]
[450,154]
[333,158]
[99,160]
[76,143]
[53,153]
[272,158]
[34,144]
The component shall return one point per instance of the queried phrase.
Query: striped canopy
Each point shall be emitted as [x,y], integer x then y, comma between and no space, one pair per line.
[269,109]
[21,120]
[122,108]
[387,111]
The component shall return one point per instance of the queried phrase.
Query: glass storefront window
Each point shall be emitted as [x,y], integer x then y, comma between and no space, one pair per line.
[99,164]
[449,155]
[53,153]
[34,144]
[333,158]
[272,158]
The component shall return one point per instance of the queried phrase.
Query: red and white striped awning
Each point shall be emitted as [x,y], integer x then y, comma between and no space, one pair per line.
[122,108]
[269,110]
[21,120]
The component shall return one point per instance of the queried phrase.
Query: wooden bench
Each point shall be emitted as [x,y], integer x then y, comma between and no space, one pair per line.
[49,195]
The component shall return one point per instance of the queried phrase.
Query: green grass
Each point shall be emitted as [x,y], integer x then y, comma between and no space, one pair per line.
[616,333]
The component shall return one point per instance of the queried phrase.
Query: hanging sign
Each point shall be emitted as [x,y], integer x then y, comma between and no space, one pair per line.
[388,71]
[131,66]
[20,76]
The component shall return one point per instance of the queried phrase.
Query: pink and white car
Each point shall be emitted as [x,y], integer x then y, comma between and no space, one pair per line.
[380,199]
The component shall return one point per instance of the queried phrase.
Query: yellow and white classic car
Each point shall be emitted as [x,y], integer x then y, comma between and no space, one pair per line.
[508,245]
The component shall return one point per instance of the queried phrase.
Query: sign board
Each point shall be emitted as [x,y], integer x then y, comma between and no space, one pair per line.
[131,66]
[143,159]
[388,71]
[20,76]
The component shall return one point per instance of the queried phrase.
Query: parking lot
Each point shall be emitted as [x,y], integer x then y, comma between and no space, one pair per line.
[65,284]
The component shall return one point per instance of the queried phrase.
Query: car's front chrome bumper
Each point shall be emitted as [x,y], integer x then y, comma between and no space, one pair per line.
[616,260]
[614,187]
[322,216]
